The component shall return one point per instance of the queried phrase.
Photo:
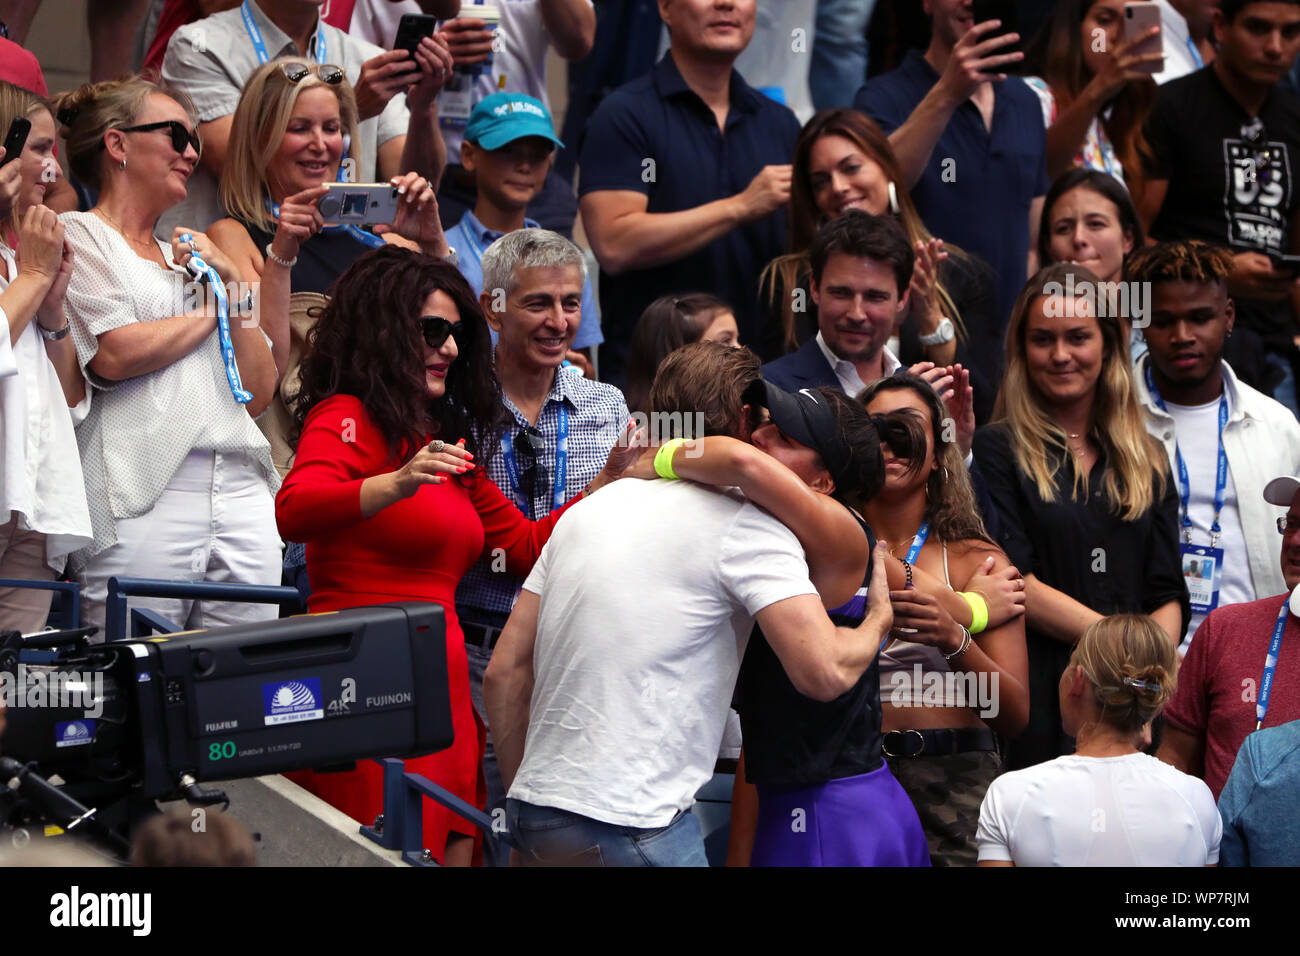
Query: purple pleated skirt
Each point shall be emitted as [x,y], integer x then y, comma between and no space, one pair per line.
[867,820]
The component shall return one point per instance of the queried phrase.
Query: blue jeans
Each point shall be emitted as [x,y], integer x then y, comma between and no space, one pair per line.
[558,838]
[839,53]
[496,791]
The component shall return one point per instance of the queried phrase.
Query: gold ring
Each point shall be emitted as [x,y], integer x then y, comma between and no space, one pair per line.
[437,445]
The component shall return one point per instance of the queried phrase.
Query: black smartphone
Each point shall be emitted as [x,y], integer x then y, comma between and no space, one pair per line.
[16,138]
[1004,10]
[411,29]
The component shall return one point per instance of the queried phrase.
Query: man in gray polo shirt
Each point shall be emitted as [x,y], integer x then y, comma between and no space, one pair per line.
[211,59]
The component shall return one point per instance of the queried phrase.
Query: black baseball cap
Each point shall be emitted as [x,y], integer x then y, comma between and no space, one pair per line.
[809,419]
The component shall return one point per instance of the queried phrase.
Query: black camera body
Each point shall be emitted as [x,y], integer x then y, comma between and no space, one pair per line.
[312,691]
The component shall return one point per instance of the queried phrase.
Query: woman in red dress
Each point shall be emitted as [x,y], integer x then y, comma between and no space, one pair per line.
[388,494]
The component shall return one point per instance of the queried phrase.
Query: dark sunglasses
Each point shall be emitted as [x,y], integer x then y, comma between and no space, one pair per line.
[436,329]
[294,73]
[181,134]
[531,445]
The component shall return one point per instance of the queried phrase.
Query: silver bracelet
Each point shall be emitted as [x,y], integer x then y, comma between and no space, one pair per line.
[287,263]
[965,645]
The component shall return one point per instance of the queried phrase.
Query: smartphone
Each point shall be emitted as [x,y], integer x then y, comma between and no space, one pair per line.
[16,139]
[1139,18]
[411,29]
[1004,10]
[359,203]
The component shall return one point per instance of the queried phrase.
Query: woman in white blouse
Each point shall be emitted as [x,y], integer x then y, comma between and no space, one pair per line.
[42,498]
[1108,803]
[179,479]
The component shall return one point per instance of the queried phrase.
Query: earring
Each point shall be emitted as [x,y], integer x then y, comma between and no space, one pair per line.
[123,166]
[893,199]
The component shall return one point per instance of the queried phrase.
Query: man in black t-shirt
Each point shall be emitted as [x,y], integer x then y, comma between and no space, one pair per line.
[1227,153]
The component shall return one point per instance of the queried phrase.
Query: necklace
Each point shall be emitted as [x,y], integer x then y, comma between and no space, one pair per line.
[890,547]
[139,244]
[1076,451]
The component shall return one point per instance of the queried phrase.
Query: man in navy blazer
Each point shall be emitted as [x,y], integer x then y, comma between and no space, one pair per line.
[861,271]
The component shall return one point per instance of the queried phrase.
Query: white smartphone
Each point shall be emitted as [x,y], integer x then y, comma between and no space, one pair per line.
[359,203]
[1139,18]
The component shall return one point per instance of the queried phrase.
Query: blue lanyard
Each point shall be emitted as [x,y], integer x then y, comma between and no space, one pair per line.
[1270,664]
[259,47]
[918,542]
[242,396]
[561,465]
[356,232]
[1184,483]
[1196,53]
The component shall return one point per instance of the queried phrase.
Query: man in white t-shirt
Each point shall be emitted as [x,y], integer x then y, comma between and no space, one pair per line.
[1186,390]
[608,691]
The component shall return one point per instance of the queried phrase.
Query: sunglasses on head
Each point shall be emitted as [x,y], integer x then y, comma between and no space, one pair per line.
[328,73]
[436,329]
[181,135]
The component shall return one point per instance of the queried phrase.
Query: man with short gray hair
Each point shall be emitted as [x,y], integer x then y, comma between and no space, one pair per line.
[558,429]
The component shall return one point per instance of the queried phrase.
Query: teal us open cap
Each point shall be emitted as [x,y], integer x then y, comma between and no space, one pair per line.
[505,117]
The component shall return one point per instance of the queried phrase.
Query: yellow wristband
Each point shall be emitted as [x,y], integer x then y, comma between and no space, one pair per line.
[979,610]
[664,459]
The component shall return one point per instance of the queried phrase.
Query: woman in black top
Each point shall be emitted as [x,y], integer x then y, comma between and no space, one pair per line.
[1087,509]
[289,136]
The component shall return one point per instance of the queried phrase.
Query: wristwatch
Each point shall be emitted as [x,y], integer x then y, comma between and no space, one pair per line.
[53,336]
[944,333]
[451,258]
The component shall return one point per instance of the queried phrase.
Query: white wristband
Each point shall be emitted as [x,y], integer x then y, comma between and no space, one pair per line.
[287,263]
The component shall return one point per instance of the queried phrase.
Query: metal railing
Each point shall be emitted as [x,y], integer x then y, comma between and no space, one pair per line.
[401,825]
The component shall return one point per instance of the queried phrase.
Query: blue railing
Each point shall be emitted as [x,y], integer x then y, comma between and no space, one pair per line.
[116,620]
[402,824]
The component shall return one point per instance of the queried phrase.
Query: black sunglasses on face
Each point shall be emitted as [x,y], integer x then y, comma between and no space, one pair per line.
[181,134]
[435,330]
[294,73]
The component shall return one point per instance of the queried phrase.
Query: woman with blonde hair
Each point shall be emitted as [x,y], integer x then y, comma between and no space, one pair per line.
[178,478]
[42,494]
[1084,501]
[843,161]
[293,131]
[1107,804]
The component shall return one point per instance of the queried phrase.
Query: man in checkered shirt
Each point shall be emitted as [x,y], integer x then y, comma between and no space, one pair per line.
[557,423]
